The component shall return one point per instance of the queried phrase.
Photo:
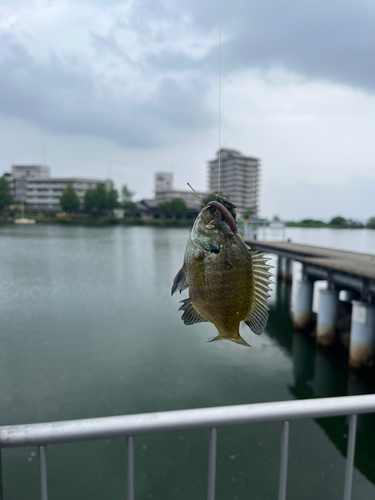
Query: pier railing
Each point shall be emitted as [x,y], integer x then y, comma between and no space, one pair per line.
[44,434]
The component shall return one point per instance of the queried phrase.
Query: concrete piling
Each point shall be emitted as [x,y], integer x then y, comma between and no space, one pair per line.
[288,270]
[362,337]
[285,269]
[328,308]
[302,311]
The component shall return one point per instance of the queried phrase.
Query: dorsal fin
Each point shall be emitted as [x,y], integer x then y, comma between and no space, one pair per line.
[258,314]
[191,315]
[180,281]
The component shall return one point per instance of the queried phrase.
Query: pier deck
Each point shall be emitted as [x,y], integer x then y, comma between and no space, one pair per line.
[353,269]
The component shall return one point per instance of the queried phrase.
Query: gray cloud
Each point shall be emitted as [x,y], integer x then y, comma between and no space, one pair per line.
[318,39]
[60,96]
[332,40]
[328,40]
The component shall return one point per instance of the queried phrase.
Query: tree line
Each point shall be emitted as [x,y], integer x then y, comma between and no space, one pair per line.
[100,200]
[338,222]
[97,199]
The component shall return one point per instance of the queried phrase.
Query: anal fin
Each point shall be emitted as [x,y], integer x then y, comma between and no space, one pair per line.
[180,281]
[191,315]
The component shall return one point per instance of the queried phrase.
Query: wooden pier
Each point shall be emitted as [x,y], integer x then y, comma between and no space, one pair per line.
[352,272]
[352,269]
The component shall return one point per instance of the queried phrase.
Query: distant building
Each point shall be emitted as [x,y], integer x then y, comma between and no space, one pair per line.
[21,175]
[148,209]
[44,194]
[164,190]
[239,179]
[34,186]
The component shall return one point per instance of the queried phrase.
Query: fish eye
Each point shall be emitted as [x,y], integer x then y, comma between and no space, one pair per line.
[214,249]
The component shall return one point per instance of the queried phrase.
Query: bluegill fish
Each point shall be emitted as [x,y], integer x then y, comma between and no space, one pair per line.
[227,282]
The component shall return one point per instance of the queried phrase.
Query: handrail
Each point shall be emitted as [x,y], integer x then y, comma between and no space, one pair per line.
[146,423]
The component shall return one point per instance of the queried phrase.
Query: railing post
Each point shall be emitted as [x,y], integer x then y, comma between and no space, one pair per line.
[350,457]
[130,468]
[212,465]
[42,473]
[284,461]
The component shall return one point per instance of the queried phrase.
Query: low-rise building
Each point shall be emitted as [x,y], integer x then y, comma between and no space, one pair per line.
[44,194]
[33,186]
[164,190]
[148,209]
[20,176]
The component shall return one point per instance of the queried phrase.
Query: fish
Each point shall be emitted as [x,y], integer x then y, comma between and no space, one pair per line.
[227,282]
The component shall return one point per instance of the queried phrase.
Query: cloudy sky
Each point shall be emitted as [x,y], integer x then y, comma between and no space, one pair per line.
[128,88]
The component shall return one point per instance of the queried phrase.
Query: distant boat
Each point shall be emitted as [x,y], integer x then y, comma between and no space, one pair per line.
[24,220]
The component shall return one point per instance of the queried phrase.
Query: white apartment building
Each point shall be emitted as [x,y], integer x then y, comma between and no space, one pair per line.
[239,179]
[20,176]
[34,186]
[44,194]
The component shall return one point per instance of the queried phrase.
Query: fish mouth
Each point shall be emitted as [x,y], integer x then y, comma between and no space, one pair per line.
[227,216]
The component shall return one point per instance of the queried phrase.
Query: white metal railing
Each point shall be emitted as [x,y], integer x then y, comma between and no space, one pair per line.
[131,425]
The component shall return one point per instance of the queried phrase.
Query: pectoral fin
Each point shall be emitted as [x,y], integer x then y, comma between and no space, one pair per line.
[258,313]
[191,315]
[180,281]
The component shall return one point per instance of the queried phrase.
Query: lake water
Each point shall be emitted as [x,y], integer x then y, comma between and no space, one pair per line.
[89,329]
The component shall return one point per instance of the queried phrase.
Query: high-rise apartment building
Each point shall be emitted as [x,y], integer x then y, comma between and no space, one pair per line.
[239,179]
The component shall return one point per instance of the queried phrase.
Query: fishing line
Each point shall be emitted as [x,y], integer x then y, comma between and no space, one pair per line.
[218,179]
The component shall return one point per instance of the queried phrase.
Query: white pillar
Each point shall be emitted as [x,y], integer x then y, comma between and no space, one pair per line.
[328,309]
[362,336]
[347,295]
[288,270]
[303,304]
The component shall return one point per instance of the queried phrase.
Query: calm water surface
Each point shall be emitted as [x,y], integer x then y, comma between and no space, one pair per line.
[89,329]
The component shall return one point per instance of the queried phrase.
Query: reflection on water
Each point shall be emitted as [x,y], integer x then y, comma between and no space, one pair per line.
[323,372]
[89,329]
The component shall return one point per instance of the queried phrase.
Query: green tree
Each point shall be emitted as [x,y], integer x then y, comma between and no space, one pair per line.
[210,197]
[175,207]
[69,200]
[164,208]
[178,207]
[355,224]
[339,222]
[89,200]
[127,202]
[112,199]
[247,214]
[100,197]
[370,224]
[5,193]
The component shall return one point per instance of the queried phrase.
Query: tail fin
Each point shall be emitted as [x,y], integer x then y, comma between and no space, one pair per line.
[237,340]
